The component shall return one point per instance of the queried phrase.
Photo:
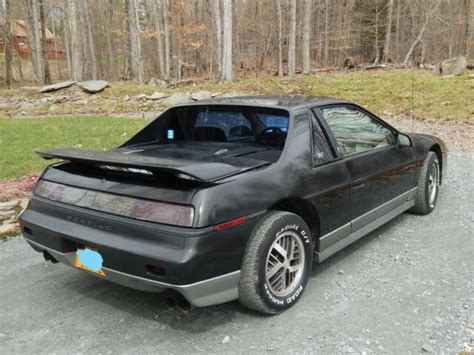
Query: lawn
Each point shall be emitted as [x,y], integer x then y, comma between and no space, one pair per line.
[390,92]
[19,138]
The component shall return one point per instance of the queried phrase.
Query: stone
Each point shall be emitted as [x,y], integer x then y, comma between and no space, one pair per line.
[226,339]
[141,97]
[230,94]
[57,86]
[157,82]
[201,95]
[427,348]
[157,96]
[126,98]
[10,205]
[451,67]
[176,99]
[93,86]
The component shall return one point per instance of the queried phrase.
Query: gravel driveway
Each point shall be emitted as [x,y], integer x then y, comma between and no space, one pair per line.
[407,287]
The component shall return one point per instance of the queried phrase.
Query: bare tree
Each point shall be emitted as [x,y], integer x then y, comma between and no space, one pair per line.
[292,39]
[307,9]
[89,47]
[227,41]
[388,32]
[326,32]
[468,26]
[166,31]
[216,14]
[35,40]
[280,38]
[8,45]
[428,17]
[44,43]
[134,43]
[75,51]
[157,16]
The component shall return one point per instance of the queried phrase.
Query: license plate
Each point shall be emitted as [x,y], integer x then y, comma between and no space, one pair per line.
[89,260]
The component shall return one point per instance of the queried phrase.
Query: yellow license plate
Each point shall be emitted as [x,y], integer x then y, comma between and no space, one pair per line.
[89,260]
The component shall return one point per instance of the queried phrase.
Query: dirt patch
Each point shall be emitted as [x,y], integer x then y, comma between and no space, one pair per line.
[17,188]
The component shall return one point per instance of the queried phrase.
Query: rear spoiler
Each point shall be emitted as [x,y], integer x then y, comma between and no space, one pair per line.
[202,171]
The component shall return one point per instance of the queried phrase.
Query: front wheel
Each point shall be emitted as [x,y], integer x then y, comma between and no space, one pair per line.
[428,185]
[277,263]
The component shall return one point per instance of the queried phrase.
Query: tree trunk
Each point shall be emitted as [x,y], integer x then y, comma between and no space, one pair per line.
[388,32]
[422,31]
[134,43]
[216,14]
[326,32]
[76,46]
[397,32]
[280,38]
[44,43]
[89,49]
[227,41]
[376,45]
[307,9]
[468,27]
[166,30]
[110,46]
[35,40]
[8,46]
[157,19]
[292,39]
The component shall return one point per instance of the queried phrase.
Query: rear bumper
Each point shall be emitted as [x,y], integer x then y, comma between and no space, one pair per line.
[202,264]
[209,292]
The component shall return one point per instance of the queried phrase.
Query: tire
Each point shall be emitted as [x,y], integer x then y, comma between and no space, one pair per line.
[277,232]
[429,179]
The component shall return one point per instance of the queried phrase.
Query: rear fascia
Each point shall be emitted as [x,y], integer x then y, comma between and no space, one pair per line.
[187,255]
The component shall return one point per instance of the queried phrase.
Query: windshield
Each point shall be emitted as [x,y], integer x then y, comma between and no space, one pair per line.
[218,123]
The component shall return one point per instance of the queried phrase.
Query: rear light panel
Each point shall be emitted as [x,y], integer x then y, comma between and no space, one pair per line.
[160,212]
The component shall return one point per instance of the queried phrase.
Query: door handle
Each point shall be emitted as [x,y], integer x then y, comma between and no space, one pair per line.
[358,186]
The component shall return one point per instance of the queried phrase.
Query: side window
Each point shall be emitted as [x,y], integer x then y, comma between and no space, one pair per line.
[321,150]
[355,131]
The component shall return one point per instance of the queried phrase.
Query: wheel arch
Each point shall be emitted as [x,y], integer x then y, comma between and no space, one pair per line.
[304,209]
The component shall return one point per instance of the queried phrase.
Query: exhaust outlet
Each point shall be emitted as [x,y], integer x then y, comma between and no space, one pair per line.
[178,301]
[48,257]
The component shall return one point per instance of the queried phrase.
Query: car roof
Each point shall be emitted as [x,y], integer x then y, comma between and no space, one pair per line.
[285,102]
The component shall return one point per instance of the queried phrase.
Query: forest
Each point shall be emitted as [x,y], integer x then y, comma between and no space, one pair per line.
[184,40]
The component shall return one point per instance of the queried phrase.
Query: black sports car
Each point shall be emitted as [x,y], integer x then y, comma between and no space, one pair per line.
[231,198]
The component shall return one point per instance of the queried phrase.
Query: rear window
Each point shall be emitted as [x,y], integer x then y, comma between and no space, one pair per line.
[218,123]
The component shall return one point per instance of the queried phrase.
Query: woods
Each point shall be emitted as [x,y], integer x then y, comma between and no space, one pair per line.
[176,40]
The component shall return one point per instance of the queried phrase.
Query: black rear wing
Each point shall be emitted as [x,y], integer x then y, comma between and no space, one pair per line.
[202,171]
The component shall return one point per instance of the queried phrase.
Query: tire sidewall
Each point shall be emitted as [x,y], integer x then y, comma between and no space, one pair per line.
[431,165]
[287,223]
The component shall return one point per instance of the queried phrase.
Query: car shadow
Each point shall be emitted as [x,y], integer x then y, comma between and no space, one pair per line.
[154,306]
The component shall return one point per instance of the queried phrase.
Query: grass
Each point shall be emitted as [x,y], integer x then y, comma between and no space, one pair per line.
[19,138]
[382,92]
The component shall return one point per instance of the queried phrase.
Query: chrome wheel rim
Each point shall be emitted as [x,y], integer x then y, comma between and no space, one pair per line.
[285,264]
[433,183]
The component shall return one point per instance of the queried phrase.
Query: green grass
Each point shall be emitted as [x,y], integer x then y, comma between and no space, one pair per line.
[383,92]
[389,92]
[19,138]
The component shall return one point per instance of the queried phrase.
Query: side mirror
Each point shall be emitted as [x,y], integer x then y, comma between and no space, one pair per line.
[403,140]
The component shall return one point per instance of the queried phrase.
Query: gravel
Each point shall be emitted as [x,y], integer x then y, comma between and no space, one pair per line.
[405,288]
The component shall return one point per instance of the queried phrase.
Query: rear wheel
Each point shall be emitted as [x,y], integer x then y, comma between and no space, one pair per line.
[428,185]
[277,263]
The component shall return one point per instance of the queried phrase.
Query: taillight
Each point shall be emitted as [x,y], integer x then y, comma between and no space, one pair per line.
[160,212]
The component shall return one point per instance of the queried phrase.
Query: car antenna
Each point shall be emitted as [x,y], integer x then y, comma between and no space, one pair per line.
[412,111]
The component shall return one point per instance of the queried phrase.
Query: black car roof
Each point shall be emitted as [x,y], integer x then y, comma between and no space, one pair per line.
[287,102]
